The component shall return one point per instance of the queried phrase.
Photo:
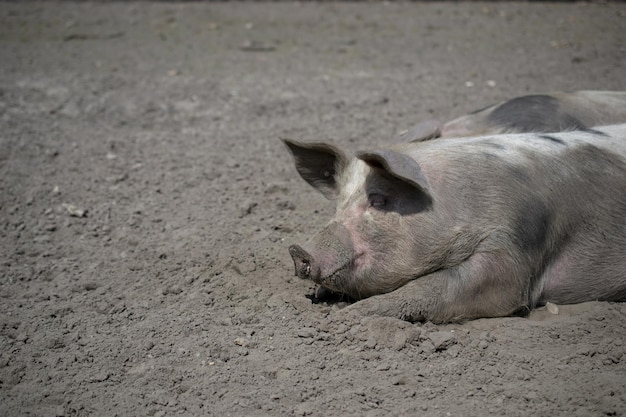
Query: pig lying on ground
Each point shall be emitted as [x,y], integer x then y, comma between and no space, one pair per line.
[552,112]
[456,229]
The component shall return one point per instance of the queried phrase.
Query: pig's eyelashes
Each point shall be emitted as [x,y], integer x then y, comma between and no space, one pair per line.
[377,201]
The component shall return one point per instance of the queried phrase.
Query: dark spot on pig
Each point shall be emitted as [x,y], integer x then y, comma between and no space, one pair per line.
[534,113]
[594,159]
[532,225]
[552,139]
[520,174]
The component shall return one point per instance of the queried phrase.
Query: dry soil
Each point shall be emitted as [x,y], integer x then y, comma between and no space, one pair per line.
[146,207]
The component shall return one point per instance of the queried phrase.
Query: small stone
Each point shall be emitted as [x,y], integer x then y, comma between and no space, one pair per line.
[307,332]
[454,350]
[241,341]
[99,377]
[371,343]
[174,289]
[442,340]
[427,347]
[342,328]
[74,211]
[399,380]
[55,343]
[552,308]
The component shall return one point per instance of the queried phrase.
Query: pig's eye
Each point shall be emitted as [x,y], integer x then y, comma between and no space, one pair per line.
[377,201]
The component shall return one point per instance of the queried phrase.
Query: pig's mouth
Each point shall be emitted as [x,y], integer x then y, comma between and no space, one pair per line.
[332,280]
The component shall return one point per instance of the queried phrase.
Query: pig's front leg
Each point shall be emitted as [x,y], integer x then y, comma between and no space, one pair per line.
[486,285]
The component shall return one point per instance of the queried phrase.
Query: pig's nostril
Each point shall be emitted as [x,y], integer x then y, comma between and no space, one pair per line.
[302,261]
[304,268]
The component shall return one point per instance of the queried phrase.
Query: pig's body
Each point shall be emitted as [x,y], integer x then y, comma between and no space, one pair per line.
[456,229]
[550,112]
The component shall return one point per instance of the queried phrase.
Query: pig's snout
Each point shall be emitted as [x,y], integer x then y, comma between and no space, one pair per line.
[303,262]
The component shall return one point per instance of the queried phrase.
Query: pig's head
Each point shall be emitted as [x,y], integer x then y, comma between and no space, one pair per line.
[381,235]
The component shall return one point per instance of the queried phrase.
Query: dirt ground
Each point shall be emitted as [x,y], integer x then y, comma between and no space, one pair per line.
[146,207]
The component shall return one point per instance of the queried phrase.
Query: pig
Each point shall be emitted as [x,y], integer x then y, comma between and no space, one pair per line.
[551,112]
[458,229]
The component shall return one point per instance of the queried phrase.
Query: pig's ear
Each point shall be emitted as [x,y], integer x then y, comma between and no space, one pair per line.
[398,165]
[426,130]
[320,164]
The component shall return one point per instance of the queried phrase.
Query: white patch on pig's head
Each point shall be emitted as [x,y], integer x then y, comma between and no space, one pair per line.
[352,182]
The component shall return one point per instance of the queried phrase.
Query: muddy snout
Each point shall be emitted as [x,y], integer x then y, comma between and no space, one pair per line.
[327,257]
[303,262]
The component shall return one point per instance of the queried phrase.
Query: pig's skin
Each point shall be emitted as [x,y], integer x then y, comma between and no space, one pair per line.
[457,229]
[549,112]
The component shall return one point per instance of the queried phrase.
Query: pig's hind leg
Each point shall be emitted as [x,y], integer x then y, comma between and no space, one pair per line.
[485,285]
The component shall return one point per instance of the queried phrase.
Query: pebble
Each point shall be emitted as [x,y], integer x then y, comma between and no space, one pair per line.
[371,343]
[99,377]
[307,332]
[427,347]
[242,341]
[174,289]
[342,328]
[552,308]
[74,211]
[399,380]
[442,339]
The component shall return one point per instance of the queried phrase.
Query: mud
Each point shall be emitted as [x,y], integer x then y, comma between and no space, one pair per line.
[146,207]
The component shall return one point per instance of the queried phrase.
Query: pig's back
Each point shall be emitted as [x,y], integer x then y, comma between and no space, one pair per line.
[516,148]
